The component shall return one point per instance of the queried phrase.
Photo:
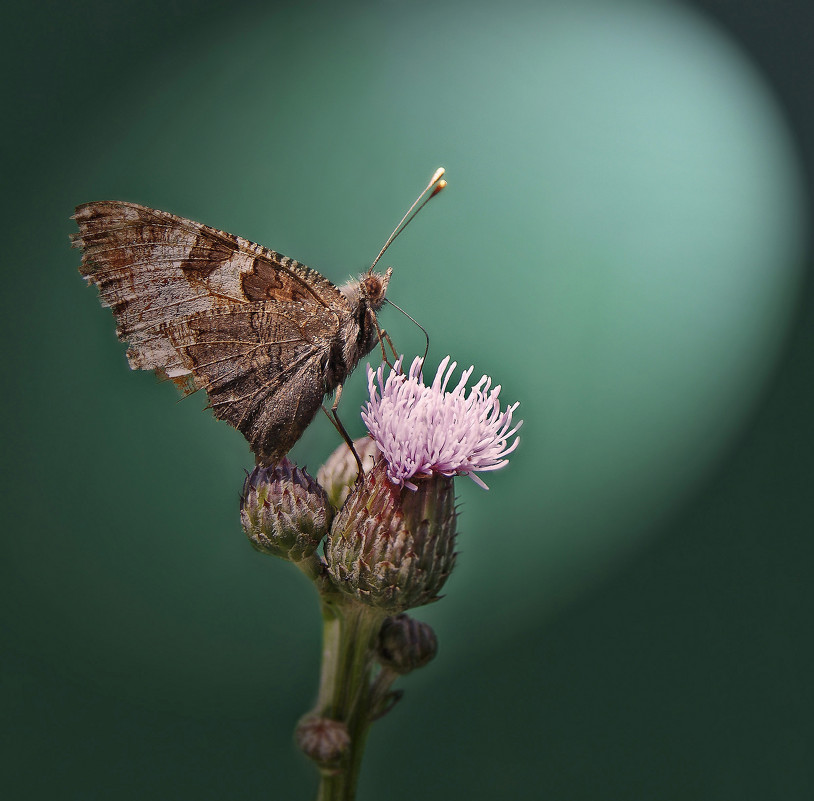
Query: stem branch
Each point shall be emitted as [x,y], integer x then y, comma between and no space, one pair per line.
[349,632]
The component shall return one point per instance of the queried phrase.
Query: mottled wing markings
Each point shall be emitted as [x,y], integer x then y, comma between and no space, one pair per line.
[261,366]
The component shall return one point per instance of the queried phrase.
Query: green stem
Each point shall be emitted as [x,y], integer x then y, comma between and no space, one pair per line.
[349,631]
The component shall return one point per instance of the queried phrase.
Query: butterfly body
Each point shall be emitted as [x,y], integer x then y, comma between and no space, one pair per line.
[263,335]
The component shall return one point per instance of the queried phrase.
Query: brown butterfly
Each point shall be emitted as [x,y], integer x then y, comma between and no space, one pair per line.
[263,335]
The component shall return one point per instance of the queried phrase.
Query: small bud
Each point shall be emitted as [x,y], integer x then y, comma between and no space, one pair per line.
[338,474]
[391,547]
[405,644]
[284,511]
[324,740]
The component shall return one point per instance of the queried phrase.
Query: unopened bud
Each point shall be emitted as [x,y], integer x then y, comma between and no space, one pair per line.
[405,643]
[390,547]
[339,473]
[284,511]
[324,740]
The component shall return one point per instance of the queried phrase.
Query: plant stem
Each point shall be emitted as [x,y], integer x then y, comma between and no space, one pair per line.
[349,632]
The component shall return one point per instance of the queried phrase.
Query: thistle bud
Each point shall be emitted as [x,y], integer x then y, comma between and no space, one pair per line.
[405,644]
[392,547]
[339,473]
[284,511]
[322,739]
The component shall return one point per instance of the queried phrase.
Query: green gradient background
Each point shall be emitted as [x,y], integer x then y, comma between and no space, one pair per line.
[621,247]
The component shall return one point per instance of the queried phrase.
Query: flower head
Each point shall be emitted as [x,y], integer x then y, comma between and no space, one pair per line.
[284,511]
[390,548]
[405,643]
[324,740]
[424,430]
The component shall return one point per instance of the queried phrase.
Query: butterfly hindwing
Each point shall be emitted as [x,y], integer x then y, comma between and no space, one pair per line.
[263,366]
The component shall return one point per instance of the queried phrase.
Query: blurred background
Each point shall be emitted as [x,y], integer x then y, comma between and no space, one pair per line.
[624,246]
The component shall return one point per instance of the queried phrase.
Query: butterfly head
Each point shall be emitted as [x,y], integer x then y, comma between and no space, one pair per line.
[373,287]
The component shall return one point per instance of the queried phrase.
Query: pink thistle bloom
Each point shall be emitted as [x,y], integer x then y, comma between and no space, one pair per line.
[424,430]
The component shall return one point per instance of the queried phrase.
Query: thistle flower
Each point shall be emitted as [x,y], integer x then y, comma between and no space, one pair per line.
[390,548]
[424,430]
[392,545]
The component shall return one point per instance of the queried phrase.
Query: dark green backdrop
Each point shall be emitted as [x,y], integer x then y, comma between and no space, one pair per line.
[623,246]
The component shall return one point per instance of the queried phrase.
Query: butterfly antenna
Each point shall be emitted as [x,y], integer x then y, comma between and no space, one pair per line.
[410,317]
[435,185]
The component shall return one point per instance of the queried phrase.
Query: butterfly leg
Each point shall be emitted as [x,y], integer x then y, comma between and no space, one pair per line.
[389,341]
[382,335]
[334,418]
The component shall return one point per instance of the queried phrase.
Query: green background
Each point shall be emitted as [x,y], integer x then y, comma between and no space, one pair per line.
[623,246]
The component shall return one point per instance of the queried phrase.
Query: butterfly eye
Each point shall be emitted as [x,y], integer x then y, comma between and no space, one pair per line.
[373,288]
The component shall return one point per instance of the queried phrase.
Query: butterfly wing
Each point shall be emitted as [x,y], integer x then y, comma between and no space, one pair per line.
[216,312]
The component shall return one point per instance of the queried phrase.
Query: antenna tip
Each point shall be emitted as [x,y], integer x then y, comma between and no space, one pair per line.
[437,174]
[438,187]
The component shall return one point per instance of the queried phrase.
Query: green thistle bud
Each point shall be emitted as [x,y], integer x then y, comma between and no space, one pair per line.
[284,511]
[392,547]
[405,644]
[338,474]
[324,740]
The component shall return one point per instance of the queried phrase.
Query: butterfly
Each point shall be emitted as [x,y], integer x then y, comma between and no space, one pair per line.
[265,337]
